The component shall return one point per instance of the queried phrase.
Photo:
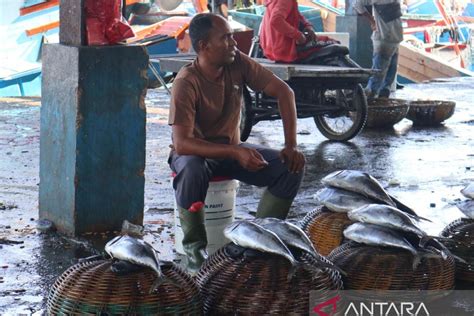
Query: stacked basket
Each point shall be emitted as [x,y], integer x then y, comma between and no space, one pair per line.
[461,233]
[324,228]
[381,268]
[91,287]
[236,280]
[384,113]
[430,113]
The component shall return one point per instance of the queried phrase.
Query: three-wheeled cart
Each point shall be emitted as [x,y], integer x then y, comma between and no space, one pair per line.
[332,95]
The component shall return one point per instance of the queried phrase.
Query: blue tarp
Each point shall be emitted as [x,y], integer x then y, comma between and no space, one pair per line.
[469,10]
[423,7]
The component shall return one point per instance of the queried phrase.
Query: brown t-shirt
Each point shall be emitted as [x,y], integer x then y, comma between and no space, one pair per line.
[213,108]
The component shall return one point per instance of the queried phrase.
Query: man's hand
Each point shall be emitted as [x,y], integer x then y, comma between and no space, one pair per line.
[310,34]
[301,39]
[293,158]
[250,159]
[372,24]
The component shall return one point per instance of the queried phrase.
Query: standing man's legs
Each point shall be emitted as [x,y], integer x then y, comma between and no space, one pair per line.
[390,76]
[382,60]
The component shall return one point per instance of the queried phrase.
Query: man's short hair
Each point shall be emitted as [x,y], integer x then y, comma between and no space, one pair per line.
[199,28]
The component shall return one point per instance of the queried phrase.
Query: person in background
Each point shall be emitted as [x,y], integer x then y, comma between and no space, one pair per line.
[384,18]
[285,30]
[205,115]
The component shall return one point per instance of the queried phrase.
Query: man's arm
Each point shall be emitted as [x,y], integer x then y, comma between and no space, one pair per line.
[307,28]
[184,143]
[287,107]
[278,22]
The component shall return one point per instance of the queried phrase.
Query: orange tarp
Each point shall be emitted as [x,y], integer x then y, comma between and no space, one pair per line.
[173,26]
[42,28]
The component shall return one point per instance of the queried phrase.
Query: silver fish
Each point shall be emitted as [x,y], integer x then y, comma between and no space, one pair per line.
[341,201]
[251,235]
[467,207]
[289,233]
[386,216]
[468,191]
[366,185]
[376,235]
[293,236]
[358,182]
[138,252]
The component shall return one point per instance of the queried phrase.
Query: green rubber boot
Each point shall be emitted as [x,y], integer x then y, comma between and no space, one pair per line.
[272,206]
[195,238]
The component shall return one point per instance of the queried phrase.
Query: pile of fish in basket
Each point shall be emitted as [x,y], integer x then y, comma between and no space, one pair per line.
[271,265]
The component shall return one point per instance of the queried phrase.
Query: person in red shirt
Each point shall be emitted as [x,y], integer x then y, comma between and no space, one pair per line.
[283,29]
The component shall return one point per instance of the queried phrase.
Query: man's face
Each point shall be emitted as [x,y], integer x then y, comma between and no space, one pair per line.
[220,46]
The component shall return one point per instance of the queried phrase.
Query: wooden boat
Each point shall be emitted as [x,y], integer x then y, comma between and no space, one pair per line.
[417,65]
[329,13]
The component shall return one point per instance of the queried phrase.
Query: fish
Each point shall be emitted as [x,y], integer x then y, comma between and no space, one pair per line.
[251,235]
[408,210]
[467,207]
[293,236]
[376,235]
[341,201]
[138,252]
[387,216]
[358,182]
[366,185]
[468,191]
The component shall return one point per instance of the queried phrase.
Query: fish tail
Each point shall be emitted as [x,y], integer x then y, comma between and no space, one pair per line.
[161,280]
[441,248]
[424,240]
[416,261]
[321,265]
[156,284]
[293,269]
[458,259]
[418,218]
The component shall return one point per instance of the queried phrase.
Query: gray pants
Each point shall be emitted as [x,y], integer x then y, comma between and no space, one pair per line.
[193,174]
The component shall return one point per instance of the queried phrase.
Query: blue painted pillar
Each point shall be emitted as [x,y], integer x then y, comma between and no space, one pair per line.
[92,142]
[360,44]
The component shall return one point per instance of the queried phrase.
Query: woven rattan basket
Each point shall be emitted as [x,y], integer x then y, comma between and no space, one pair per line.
[384,113]
[430,113]
[325,228]
[239,281]
[383,268]
[92,288]
[461,231]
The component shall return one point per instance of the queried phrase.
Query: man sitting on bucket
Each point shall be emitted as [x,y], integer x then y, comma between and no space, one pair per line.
[205,116]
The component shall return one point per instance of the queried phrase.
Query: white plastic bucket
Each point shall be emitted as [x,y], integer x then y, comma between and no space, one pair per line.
[219,212]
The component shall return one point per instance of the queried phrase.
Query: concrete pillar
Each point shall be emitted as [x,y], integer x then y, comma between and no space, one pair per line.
[92,142]
[360,44]
[92,139]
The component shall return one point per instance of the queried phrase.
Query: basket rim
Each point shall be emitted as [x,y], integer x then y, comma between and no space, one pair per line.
[431,103]
[388,103]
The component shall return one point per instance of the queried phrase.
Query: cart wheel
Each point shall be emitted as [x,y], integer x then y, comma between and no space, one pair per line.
[348,122]
[246,115]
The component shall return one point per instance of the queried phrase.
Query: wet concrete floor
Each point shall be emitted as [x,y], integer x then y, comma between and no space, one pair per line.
[424,167]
